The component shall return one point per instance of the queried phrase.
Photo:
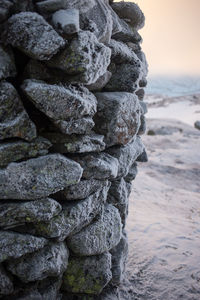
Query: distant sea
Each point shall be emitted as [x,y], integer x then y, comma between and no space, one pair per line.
[173,86]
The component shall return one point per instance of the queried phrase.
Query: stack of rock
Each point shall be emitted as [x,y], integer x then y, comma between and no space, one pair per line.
[72,75]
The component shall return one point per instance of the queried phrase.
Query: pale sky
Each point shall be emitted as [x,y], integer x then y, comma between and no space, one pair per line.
[171,36]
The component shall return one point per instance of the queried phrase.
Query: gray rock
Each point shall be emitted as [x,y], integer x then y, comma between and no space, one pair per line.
[142,157]
[121,53]
[38,177]
[119,258]
[101,82]
[7,63]
[134,46]
[144,107]
[16,213]
[14,245]
[14,151]
[126,34]
[132,173]
[143,127]
[88,275]
[140,93]
[85,59]
[49,6]
[197,125]
[116,28]
[81,190]
[126,155]
[6,285]
[140,54]
[125,78]
[5,7]
[76,126]
[117,117]
[66,22]
[61,103]
[14,120]
[22,6]
[98,237]
[50,261]
[130,12]
[95,14]
[74,217]
[31,34]
[118,196]
[98,165]
[75,143]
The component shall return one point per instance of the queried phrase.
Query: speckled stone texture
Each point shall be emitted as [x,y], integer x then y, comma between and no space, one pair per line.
[72,79]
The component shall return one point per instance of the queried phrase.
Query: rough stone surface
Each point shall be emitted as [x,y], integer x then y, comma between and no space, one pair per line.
[132,172]
[117,117]
[76,126]
[130,12]
[60,103]
[31,34]
[5,7]
[129,82]
[81,190]
[14,120]
[118,196]
[98,237]
[75,216]
[49,6]
[98,165]
[126,34]
[126,155]
[87,274]
[16,213]
[75,143]
[38,177]
[100,83]
[6,285]
[85,58]
[121,53]
[119,257]
[7,63]
[14,151]
[14,245]
[66,22]
[52,260]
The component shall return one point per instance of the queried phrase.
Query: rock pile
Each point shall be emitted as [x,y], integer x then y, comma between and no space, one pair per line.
[72,78]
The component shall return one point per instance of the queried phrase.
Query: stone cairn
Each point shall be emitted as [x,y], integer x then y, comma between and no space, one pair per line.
[72,78]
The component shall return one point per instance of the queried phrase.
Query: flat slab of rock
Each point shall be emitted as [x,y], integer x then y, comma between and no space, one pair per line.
[75,216]
[98,237]
[101,82]
[14,245]
[66,22]
[81,190]
[6,285]
[50,261]
[83,125]
[75,143]
[14,151]
[38,177]
[30,33]
[61,104]
[117,117]
[85,58]
[98,166]
[130,12]
[7,63]
[16,213]
[88,275]
[127,155]
[14,120]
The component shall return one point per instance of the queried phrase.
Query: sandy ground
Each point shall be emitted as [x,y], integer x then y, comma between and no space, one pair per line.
[164,214]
